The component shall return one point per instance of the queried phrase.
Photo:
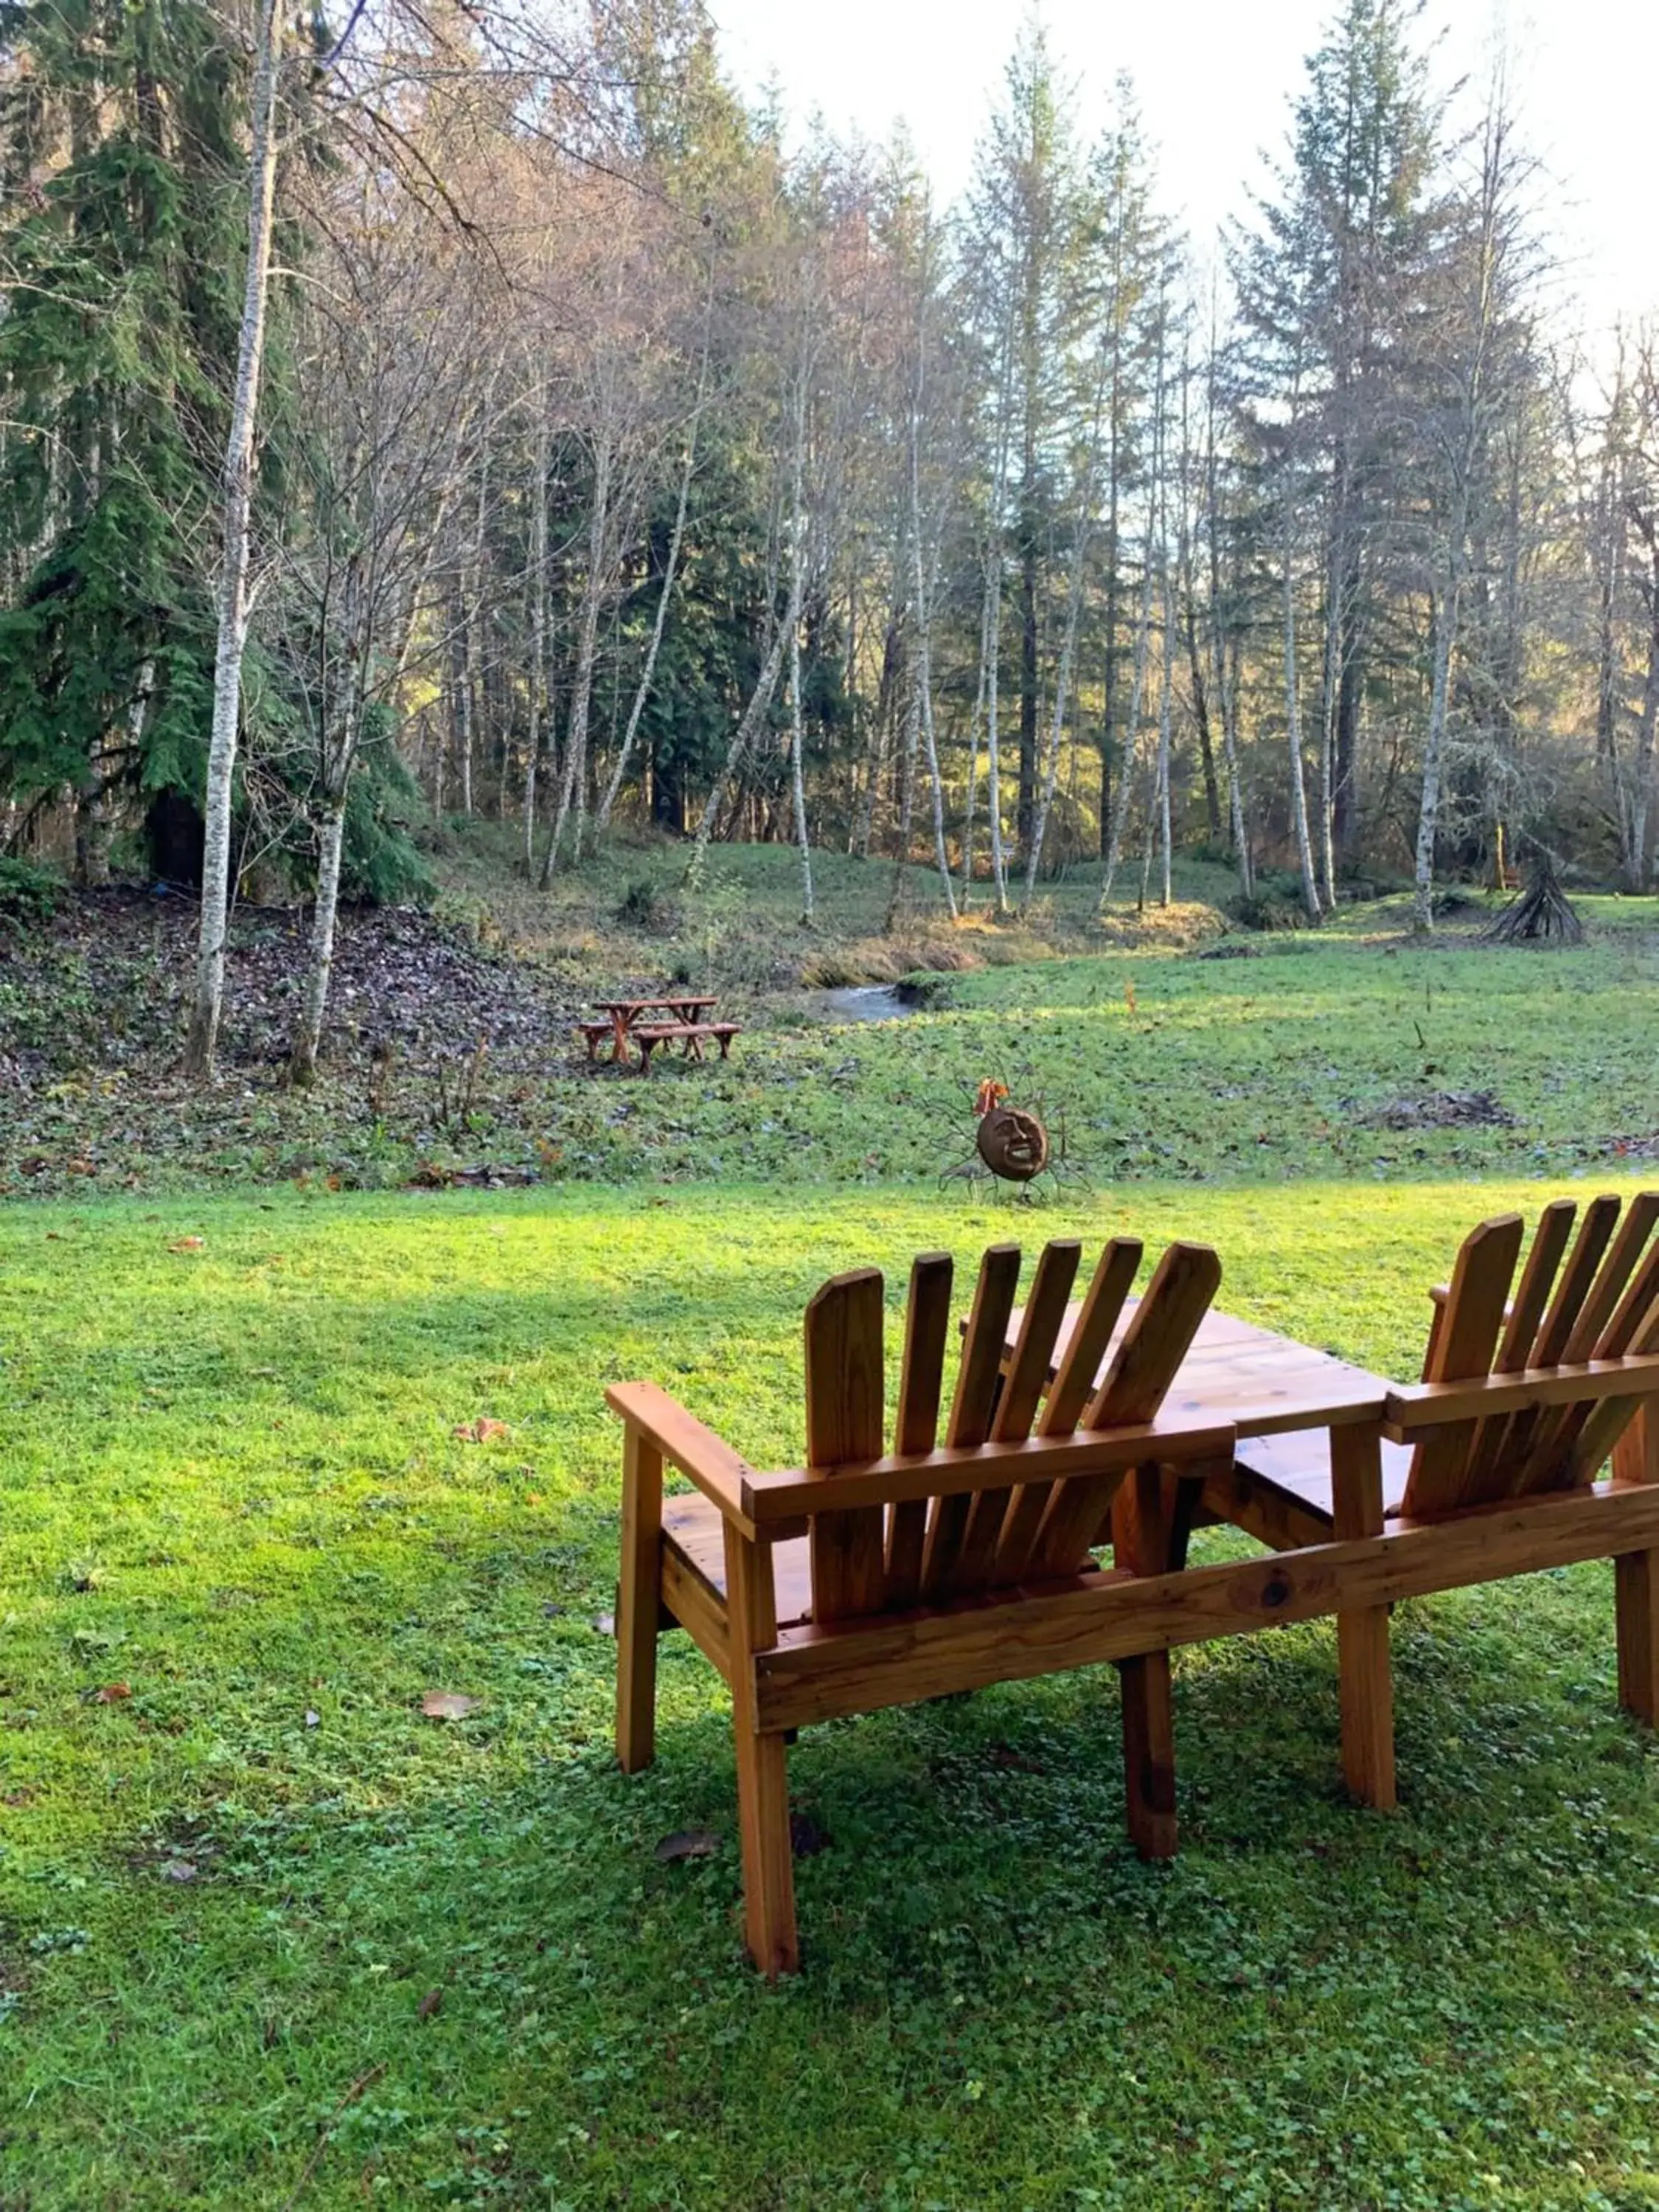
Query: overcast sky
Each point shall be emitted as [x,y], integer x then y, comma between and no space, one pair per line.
[1213,78]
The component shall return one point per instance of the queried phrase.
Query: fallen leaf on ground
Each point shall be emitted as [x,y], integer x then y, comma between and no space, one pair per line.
[177,1870]
[687,1843]
[448,1705]
[483,1431]
[431,2002]
[187,1244]
[112,1694]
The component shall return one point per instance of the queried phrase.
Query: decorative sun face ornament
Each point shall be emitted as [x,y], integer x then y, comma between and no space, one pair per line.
[1011,1143]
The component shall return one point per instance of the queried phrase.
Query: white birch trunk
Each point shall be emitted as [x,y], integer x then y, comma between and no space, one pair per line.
[1132,734]
[574,785]
[1165,707]
[307,1038]
[643,694]
[202,1043]
[1293,731]
[537,633]
[1434,744]
[923,596]
[760,699]
[973,773]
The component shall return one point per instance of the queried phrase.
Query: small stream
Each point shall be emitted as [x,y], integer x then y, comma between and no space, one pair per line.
[864,1002]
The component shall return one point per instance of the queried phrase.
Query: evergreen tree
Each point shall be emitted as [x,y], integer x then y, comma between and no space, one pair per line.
[118,133]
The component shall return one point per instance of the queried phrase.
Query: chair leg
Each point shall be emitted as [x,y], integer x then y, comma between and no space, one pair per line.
[769,1864]
[1149,1754]
[1365,1671]
[639,1603]
[1636,1604]
[1366,1681]
[768,1869]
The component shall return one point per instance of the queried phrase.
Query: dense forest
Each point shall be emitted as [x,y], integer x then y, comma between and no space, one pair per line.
[437,413]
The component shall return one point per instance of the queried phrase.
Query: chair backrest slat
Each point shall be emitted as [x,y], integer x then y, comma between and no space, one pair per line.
[875,1559]
[1601,1303]
[1612,1314]
[846,1384]
[1145,1363]
[1549,1243]
[1553,1343]
[1465,1344]
[973,1407]
[1157,1338]
[921,1389]
[1606,1422]
[1023,1384]
[1097,1316]
[1074,1383]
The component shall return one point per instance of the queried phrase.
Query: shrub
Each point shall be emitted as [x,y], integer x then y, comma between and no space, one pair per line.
[1276,903]
[644,905]
[28,895]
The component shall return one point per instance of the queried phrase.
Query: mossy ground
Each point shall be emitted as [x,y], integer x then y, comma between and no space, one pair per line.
[231,1481]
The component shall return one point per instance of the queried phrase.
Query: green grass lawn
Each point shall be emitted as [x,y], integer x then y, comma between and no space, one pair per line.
[262,1880]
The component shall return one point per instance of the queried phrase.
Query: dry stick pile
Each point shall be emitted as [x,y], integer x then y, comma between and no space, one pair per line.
[1542,915]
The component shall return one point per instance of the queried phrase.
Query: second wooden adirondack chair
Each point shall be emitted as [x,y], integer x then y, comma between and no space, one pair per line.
[873,1578]
[1488,1467]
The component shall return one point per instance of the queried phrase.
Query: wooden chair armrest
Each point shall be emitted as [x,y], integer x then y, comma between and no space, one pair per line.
[780,1502]
[1407,1412]
[684,1442]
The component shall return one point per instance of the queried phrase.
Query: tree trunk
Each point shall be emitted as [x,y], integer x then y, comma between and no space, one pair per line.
[1428,815]
[1294,727]
[760,699]
[1131,730]
[537,633]
[921,592]
[1638,866]
[308,1032]
[1165,717]
[572,788]
[906,797]
[670,568]
[233,611]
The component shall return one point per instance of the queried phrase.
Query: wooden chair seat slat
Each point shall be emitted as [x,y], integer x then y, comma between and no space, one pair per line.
[1299,1468]
[695,1528]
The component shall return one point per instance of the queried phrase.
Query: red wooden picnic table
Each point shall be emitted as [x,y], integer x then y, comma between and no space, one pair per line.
[625,1012]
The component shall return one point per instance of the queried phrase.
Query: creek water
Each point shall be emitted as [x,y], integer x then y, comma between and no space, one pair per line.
[863,1002]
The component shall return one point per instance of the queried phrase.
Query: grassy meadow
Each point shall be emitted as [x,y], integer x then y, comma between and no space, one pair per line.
[270,1937]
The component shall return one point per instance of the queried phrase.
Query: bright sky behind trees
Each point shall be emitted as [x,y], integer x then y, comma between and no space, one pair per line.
[1213,78]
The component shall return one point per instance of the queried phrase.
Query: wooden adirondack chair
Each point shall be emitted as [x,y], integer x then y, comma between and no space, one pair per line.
[1523,1400]
[873,1579]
